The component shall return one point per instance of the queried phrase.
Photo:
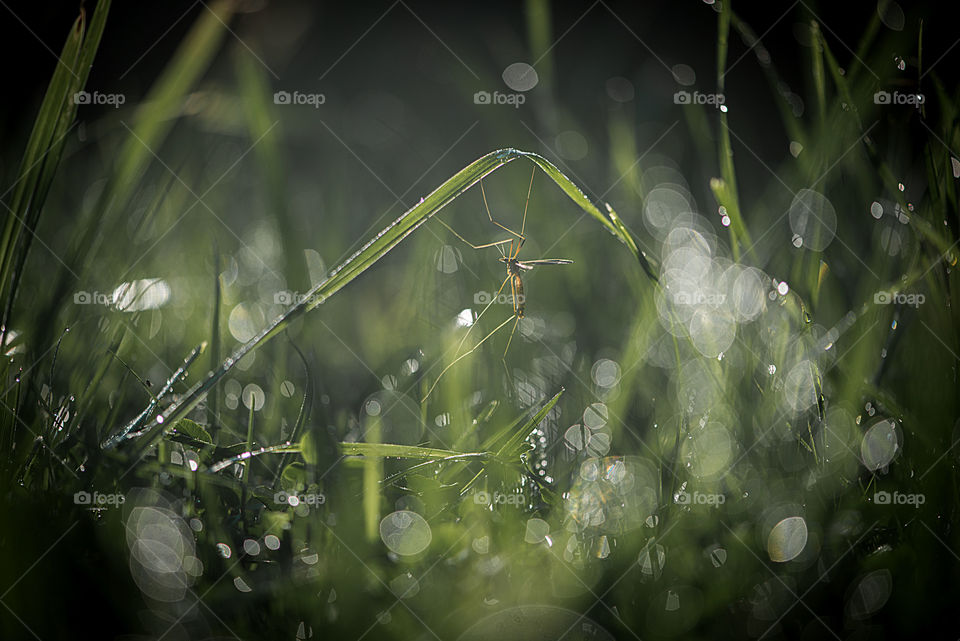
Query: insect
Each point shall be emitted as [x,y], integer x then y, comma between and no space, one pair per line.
[515,268]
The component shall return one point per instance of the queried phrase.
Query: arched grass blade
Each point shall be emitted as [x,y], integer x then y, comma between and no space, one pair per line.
[377,248]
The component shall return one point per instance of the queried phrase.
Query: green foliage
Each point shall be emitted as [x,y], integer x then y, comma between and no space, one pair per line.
[319,478]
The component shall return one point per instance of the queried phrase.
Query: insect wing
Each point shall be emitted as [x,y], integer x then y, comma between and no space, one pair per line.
[529,264]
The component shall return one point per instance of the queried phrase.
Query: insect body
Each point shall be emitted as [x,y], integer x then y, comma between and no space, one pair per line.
[515,268]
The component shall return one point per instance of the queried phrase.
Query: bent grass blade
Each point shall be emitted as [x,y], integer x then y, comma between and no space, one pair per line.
[377,248]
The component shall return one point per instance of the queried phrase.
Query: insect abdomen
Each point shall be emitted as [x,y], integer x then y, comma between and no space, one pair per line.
[520,299]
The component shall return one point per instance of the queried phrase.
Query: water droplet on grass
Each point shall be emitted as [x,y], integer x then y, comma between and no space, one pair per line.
[520,76]
[405,533]
[787,539]
[448,259]
[651,560]
[880,444]
[595,416]
[620,89]
[405,586]
[245,321]
[254,397]
[605,372]
[799,386]
[891,14]
[571,145]
[813,218]
[537,531]
[684,74]
[872,593]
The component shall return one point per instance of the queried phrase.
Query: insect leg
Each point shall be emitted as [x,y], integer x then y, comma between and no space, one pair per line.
[483,246]
[490,216]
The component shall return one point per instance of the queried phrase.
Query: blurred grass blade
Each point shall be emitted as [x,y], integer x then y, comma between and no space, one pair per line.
[390,450]
[265,134]
[154,119]
[215,339]
[436,461]
[540,38]
[372,474]
[44,149]
[511,447]
[725,190]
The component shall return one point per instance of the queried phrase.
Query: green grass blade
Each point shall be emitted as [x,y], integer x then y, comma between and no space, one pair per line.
[511,448]
[372,474]
[390,450]
[215,339]
[540,38]
[44,149]
[725,190]
[379,246]
[41,140]
[154,119]
[819,77]
[265,132]
[610,220]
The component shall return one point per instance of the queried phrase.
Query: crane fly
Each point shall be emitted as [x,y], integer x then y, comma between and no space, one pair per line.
[515,267]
